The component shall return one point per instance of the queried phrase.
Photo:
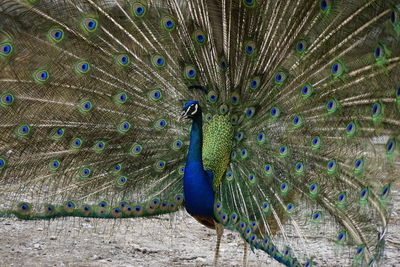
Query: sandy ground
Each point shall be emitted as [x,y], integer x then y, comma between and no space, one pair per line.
[163,241]
[179,241]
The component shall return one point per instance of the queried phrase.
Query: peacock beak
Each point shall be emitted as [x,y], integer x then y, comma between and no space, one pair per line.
[183,115]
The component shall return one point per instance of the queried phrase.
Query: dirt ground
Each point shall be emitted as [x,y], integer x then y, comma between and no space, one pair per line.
[134,242]
[163,241]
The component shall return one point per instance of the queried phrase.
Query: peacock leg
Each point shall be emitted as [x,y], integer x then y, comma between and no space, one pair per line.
[245,253]
[220,230]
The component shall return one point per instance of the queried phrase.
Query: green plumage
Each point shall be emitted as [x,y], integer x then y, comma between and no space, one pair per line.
[301,114]
[217,144]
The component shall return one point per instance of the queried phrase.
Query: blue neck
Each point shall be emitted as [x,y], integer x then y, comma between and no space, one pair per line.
[196,141]
[197,183]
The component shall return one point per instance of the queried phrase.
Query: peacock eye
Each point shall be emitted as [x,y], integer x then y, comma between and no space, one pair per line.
[249,112]
[212,96]
[82,67]
[160,124]
[199,37]
[56,34]
[85,106]
[306,91]
[158,61]
[190,72]
[123,127]
[89,25]
[6,99]
[168,23]
[2,163]
[116,168]
[249,3]
[223,64]
[41,76]
[378,52]
[280,77]
[139,9]
[54,165]
[195,109]
[122,60]
[337,69]
[325,6]
[254,82]
[301,47]
[6,49]
[23,130]
[249,48]
[120,98]
[155,95]
[391,146]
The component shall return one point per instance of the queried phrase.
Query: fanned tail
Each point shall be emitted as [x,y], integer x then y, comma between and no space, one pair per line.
[91,93]
[317,128]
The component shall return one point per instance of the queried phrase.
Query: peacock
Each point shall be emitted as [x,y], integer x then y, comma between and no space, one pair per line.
[279,120]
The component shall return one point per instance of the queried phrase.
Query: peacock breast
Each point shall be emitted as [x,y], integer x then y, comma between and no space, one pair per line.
[217,146]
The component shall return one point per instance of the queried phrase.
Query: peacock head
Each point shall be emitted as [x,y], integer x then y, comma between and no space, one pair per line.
[190,110]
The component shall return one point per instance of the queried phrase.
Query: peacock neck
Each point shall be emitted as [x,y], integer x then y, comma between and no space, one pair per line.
[196,140]
[197,184]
